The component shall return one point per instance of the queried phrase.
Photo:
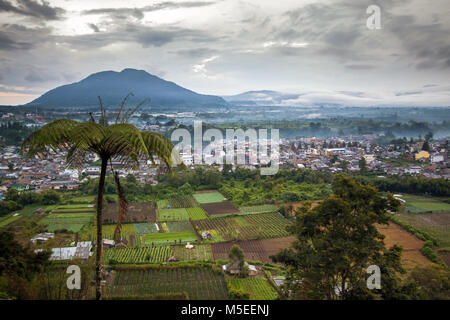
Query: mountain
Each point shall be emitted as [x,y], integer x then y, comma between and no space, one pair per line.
[260,98]
[113,86]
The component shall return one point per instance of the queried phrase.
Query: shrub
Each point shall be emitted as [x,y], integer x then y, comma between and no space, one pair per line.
[239,294]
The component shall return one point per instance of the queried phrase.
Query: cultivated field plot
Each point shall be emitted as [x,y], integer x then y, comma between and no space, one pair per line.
[178,202]
[198,283]
[137,212]
[201,252]
[73,208]
[225,207]
[411,255]
[179,226]
[267,208]
[254,250]
[108,230]
[418,204]
[144,228]
[436,224]
[155,254]
[258,288]
[5,221]
[248,227]
[72,222]
[179,214]
[196,213]
[208,197]
[170,238]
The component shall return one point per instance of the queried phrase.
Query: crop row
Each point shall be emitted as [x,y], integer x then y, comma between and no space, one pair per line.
[139,255]
[198,283]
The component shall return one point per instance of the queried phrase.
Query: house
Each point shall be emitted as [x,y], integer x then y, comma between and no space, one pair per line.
[234,268]
[107,244]
[20,187]
[206,235]
[436,158]
[42,237]
[422,155]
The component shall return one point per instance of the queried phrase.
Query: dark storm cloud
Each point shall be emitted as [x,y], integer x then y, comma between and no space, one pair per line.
[123,13]
[137,33]
[18,37]
[93,27]
[6,43]
[32,8]
[360,66]
[196,53]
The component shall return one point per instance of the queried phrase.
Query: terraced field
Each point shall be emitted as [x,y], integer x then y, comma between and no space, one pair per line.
[267,208]
[144,228]
[137,212]
[198,283]
[248,227]
[208,197]
[258,288]
[155,254]
[170,238]
[196,213]
[72,222]
[201,252]
[179,214]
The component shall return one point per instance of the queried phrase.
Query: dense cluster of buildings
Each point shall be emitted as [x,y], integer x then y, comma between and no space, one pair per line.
[49,171]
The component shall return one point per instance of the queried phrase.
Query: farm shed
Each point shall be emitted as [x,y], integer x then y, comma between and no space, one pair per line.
[233,268]
[60,254]
[42,237]
[108,243]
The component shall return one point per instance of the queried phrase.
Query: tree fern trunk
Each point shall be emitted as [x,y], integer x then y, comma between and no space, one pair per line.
[98,262]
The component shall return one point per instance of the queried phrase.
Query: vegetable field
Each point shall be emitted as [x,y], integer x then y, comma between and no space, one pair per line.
[248,227]
[144,228]
[73,222]
[267,208]
[199,253]
[209,197]
[224,207]
[170,238]
[196,213]
[137,212]
[139,255]
[198,283]
[179,214]
[179,226]
[258,288]
[178,202]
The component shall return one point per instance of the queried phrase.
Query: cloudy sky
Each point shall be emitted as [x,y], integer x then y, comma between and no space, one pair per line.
[320,49]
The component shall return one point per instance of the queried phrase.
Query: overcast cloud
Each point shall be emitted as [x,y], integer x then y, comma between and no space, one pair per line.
[320,50]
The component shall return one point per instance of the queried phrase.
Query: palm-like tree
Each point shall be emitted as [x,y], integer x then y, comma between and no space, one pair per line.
[121,141]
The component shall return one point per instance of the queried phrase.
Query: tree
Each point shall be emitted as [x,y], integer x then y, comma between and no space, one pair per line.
[121,141]
[362,165]
[426,146]
[236,253]
[433,282]
[337,241]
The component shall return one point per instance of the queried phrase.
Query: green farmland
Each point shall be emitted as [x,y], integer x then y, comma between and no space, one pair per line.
[209,197]
[171,237]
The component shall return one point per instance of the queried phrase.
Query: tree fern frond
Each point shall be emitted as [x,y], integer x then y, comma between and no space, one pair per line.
[55,135]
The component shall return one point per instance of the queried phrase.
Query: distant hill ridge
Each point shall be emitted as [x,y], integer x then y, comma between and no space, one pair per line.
[113,86]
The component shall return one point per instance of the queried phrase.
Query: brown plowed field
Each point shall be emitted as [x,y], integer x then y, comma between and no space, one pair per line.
[411,255]
[219,208]
[137,212]
[259,250]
